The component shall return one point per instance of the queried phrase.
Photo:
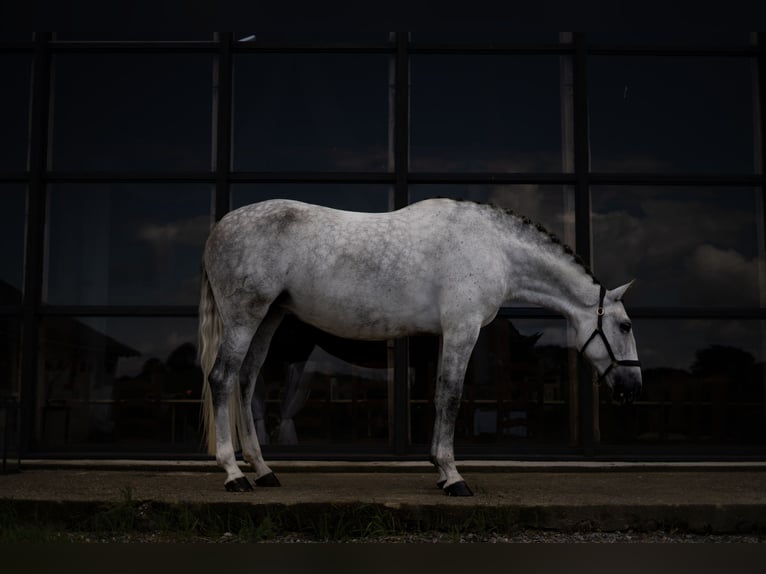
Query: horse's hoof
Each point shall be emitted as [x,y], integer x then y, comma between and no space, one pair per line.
[441,484]
[458,489]
[268,480]
[240,484]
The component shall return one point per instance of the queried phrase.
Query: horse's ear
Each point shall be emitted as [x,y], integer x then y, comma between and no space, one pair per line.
[618,292]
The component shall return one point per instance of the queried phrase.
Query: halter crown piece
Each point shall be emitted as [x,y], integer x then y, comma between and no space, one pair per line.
[598,331]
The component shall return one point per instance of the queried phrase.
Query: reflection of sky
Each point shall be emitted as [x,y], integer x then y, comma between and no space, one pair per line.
[686,246]
[132,111]
[671,114]
[126,244]
[14,114]
[486,113]
[311,112]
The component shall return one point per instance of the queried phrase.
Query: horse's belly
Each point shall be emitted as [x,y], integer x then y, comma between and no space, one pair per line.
[369,319]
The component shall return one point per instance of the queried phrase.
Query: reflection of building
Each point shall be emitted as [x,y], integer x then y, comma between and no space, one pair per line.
[77,387]
[649,164]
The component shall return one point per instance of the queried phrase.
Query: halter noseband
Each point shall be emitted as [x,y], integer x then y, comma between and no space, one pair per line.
[599,331]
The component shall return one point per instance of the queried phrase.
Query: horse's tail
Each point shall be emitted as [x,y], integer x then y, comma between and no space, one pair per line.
[210,331]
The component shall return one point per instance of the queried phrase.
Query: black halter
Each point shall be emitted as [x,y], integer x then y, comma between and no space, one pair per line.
[598,331]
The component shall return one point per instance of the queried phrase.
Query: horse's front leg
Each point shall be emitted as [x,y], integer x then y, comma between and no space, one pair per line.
[457,345]
[256,355]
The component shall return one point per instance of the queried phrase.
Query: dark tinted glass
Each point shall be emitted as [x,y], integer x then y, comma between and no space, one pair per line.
[496,32]
[664,115]
[126,244]
[551,205]
[132,112]
[137,36]
[10,358]
[312,112]
[350,197]
[685,246]
[676,38]
[119,384]
[703,384]
[518,387]
[320,389]
[313,35]
[14,111]
[13,205]
[489,113]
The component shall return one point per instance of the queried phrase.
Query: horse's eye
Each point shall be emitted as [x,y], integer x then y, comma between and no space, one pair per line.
[625,327]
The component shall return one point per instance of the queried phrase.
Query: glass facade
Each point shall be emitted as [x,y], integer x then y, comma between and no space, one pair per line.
[644,153]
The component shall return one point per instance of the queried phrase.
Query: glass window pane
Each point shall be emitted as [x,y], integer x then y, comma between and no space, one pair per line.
[489,113]
[126,243]
[313,34]
[146,112]
[517,387]
[685,246]
[491,32]
[13,213]
[118,383]
[319,389]
[14,111]
[662,115]
[350,197]
[134,36]
[703,384]
[690,38]
[10,357]
[312,112]
[551,205]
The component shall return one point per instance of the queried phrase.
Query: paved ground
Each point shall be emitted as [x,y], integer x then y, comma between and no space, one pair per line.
[709,498]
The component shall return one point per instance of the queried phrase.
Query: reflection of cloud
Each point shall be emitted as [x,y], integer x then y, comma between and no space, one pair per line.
[462,159]
[691,252]
[191,231]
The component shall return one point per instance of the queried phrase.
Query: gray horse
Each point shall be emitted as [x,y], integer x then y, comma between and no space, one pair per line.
[439,267]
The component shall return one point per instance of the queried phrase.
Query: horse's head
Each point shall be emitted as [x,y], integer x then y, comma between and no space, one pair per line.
[606,338]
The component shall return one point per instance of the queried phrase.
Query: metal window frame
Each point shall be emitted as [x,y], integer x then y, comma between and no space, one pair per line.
[31,311]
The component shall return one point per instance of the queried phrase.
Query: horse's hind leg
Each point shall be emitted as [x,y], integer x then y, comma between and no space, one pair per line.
[457,345]
[254,359]
[223,379]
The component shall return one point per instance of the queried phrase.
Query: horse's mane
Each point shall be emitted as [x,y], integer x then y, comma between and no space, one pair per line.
[541,229]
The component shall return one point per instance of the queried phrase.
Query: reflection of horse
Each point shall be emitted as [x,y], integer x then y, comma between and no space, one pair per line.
[438,266]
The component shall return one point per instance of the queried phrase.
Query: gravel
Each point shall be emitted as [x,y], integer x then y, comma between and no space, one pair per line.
[525,536]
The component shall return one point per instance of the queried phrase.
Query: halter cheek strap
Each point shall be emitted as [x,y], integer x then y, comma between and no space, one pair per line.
[599,332]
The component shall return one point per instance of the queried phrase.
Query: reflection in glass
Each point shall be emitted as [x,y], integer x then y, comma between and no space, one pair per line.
[347,196]
[14,111]
[677,37]
[13,200]
[313,34]
[311,112]
[9,359]
[490,113]
[685,246]
[491,32]
[517,387]
[134,36]
[125,243]
[703,384]
[122,383]
[148,112]
[553,206]
[320,389]
[682,115]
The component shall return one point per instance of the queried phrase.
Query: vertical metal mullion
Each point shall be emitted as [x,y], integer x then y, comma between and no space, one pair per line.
[401,198]
[35,234]
[582,221]
[222,203]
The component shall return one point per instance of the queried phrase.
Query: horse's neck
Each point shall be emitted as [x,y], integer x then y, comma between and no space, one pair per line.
[546,276]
